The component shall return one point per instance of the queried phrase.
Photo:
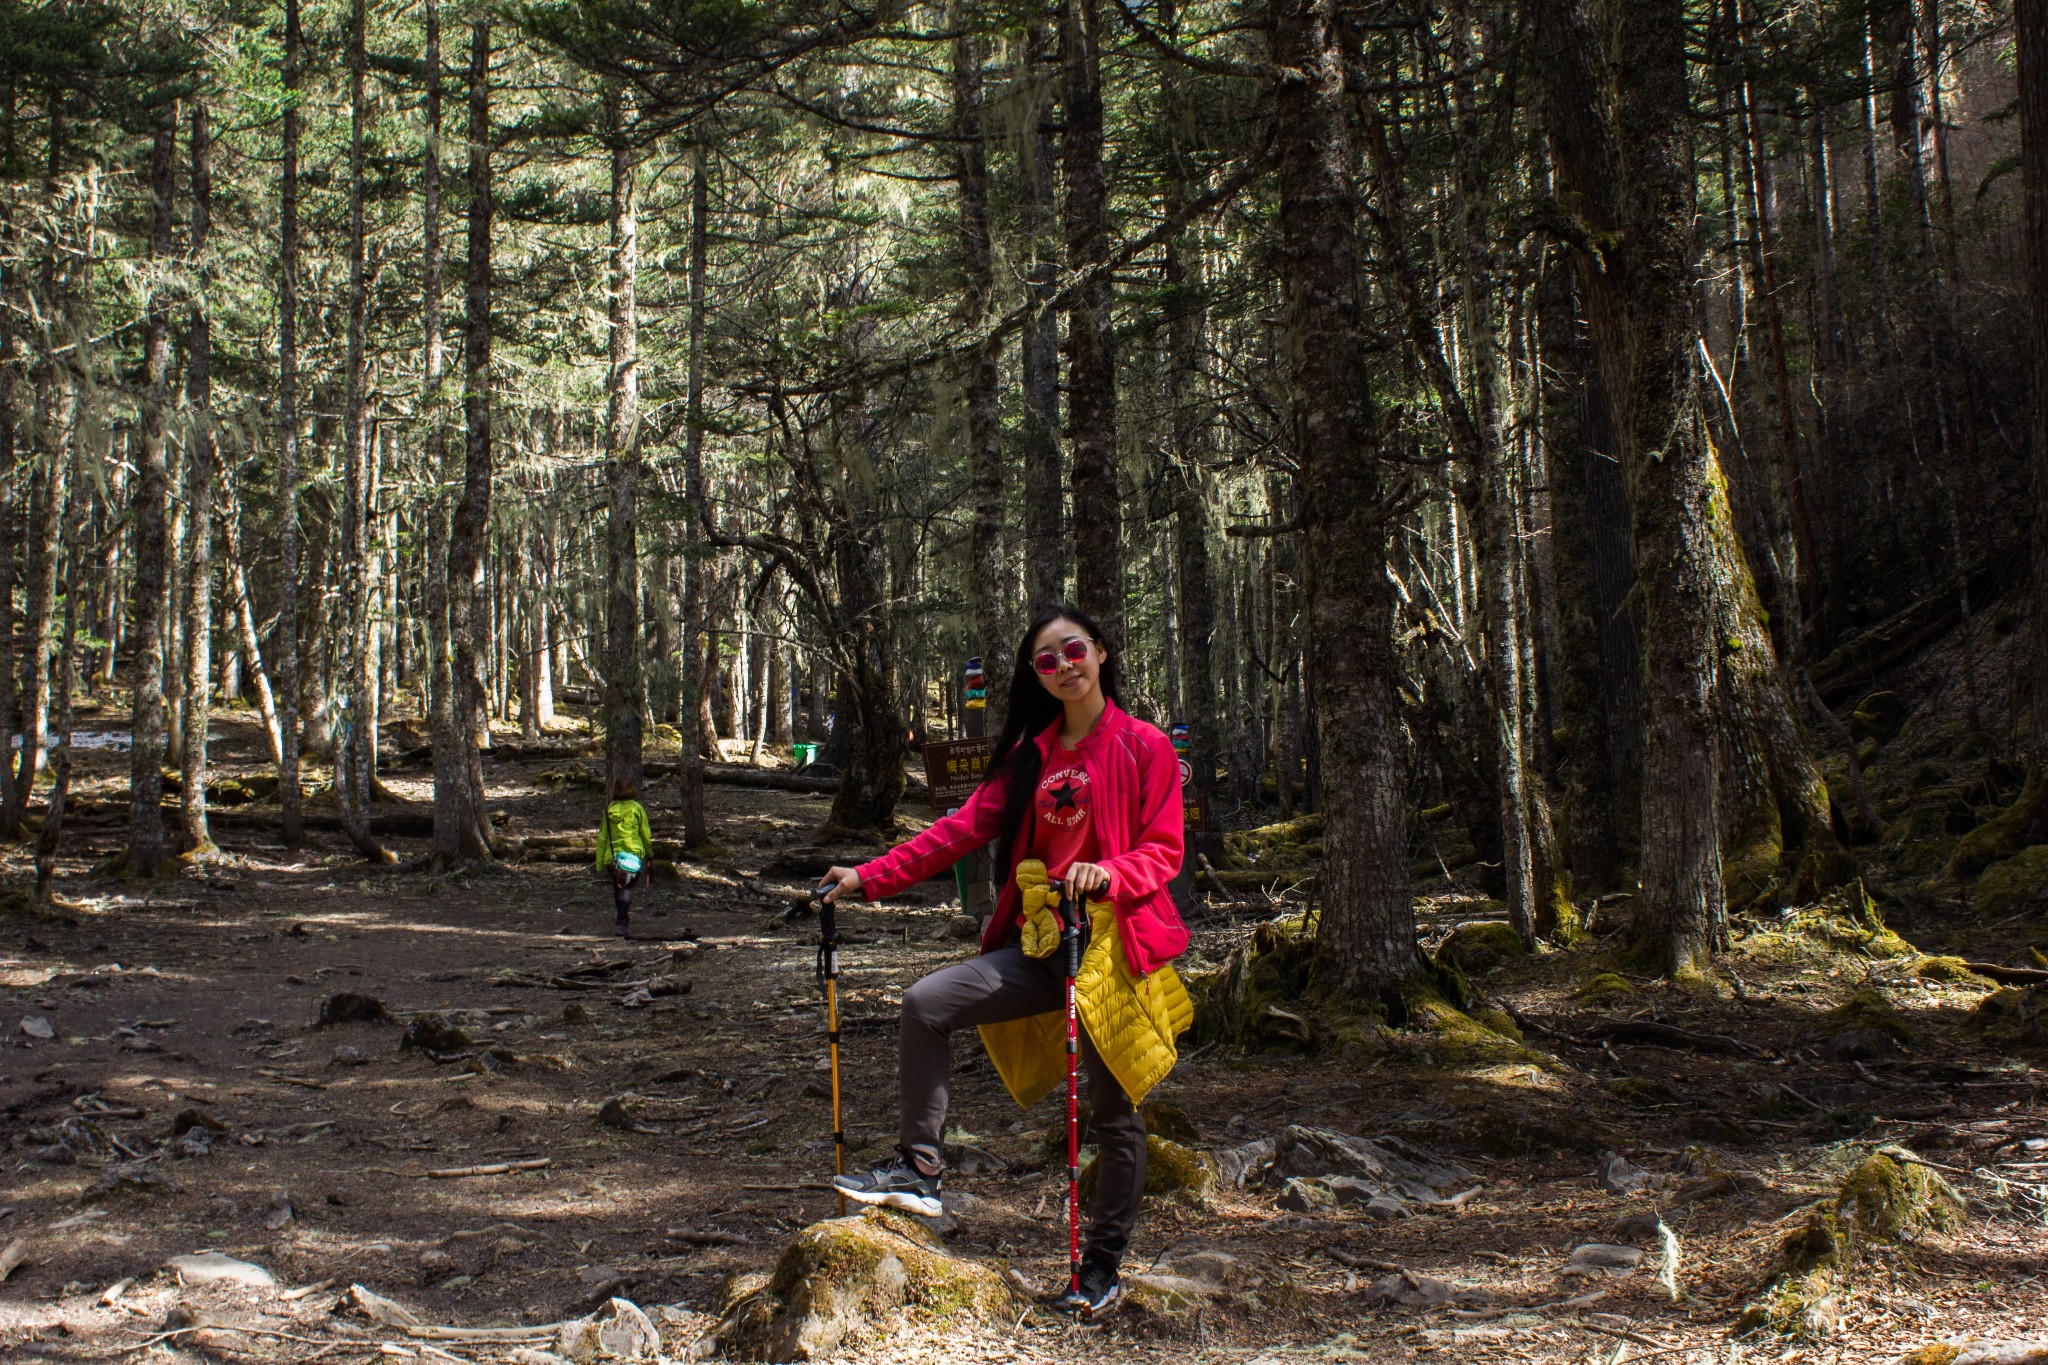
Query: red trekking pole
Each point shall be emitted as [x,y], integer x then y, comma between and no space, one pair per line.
[1071,933]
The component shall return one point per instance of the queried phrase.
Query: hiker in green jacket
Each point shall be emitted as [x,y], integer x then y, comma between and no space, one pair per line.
[624,845]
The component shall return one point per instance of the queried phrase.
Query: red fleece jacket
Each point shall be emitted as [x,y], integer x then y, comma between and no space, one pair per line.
[1135,778]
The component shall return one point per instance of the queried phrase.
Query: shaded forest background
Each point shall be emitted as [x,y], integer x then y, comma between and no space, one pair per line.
[1536,431]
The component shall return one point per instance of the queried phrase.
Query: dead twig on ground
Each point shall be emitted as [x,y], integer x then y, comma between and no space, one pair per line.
[494,1168]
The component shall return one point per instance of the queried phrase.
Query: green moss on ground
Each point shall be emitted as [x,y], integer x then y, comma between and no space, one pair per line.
[1253,999]
[1869,1008]
[1480,946]
[1948,971]
[1170,1121]
[1846,920]
[1881,1200]
[844,1276]
[1170,1169]
[2014,1019]
[2016,884]
[1289,844]
[1604,988]
[2002,836]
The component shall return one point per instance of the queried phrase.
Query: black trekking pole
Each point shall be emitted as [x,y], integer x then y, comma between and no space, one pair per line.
[1070,947]
[828,977]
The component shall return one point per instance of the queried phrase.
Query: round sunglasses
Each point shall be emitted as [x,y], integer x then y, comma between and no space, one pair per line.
[1075,650]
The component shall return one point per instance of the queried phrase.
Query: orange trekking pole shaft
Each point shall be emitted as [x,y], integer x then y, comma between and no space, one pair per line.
[828,976]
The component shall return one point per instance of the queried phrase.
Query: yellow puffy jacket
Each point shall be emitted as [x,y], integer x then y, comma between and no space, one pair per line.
[1132,1020]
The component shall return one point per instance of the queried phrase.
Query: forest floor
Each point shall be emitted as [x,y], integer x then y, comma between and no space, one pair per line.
[190,1005]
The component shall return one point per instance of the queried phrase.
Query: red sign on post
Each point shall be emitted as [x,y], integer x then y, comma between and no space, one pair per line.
[953,768]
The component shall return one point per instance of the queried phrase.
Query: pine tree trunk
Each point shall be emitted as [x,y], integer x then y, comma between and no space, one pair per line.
[286,641]
[470,523]
[145,857]
[199,475]
[1091,344]
[1365,939]
[353,751]
[1633,181]
[696,517]
[1188,433]
[1599,687]
[2030,22]
[625,684]
[253,670]
[45,553]
[12,363]
[1046,551]
[980,381]
[49,836]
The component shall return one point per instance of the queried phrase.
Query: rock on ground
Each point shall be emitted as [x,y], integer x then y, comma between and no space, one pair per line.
[1368,1168]
[618,1331]
[210,1267]
[843,1276]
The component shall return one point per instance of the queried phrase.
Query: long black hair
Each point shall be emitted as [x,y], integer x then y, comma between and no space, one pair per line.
[1017,763]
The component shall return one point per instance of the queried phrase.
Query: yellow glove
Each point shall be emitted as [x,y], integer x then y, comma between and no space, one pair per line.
[1040,909]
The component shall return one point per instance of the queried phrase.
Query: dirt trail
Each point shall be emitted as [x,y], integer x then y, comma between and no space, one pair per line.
[311,1151]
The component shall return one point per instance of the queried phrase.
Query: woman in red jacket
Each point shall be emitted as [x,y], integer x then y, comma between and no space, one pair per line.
[1095,796]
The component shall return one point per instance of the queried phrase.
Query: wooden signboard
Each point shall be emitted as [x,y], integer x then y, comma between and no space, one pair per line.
[953,768]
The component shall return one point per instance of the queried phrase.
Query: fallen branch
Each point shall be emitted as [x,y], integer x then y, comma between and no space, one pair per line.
[13,1257]
[1670,1035]
[495,1168]
[2011,976]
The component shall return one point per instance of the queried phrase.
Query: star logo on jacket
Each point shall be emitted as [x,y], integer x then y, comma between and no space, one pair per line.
[1063,797]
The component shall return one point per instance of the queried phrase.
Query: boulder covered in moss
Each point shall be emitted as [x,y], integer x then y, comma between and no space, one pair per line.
[1846,920]
[1457,1040]
[847,1276]
[1481,945]
[1253,999]
[2015,1019]
[1879,716]
[1295,844]
[1948,971]
[1869,1008]
[2001,837]
[1170,1121]
[1887,1197]
[2015,885]
[1170,1169]
[1604,988]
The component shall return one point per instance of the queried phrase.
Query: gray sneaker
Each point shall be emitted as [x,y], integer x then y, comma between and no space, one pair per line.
[897,1183]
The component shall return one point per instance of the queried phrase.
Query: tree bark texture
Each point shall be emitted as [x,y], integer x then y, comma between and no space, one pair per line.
[288,566]
[625,682]
[2030,21]
[1365,939]
[199,476]
[1038,450]
[988,588]
[354,749]
[470,524]
[696,515]
[1091,342]
[1627,168]
[145,858]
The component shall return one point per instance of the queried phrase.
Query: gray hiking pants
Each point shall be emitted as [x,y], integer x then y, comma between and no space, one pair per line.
[991,989]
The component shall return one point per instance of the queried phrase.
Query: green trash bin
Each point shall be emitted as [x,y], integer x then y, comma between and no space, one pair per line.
[806,754]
